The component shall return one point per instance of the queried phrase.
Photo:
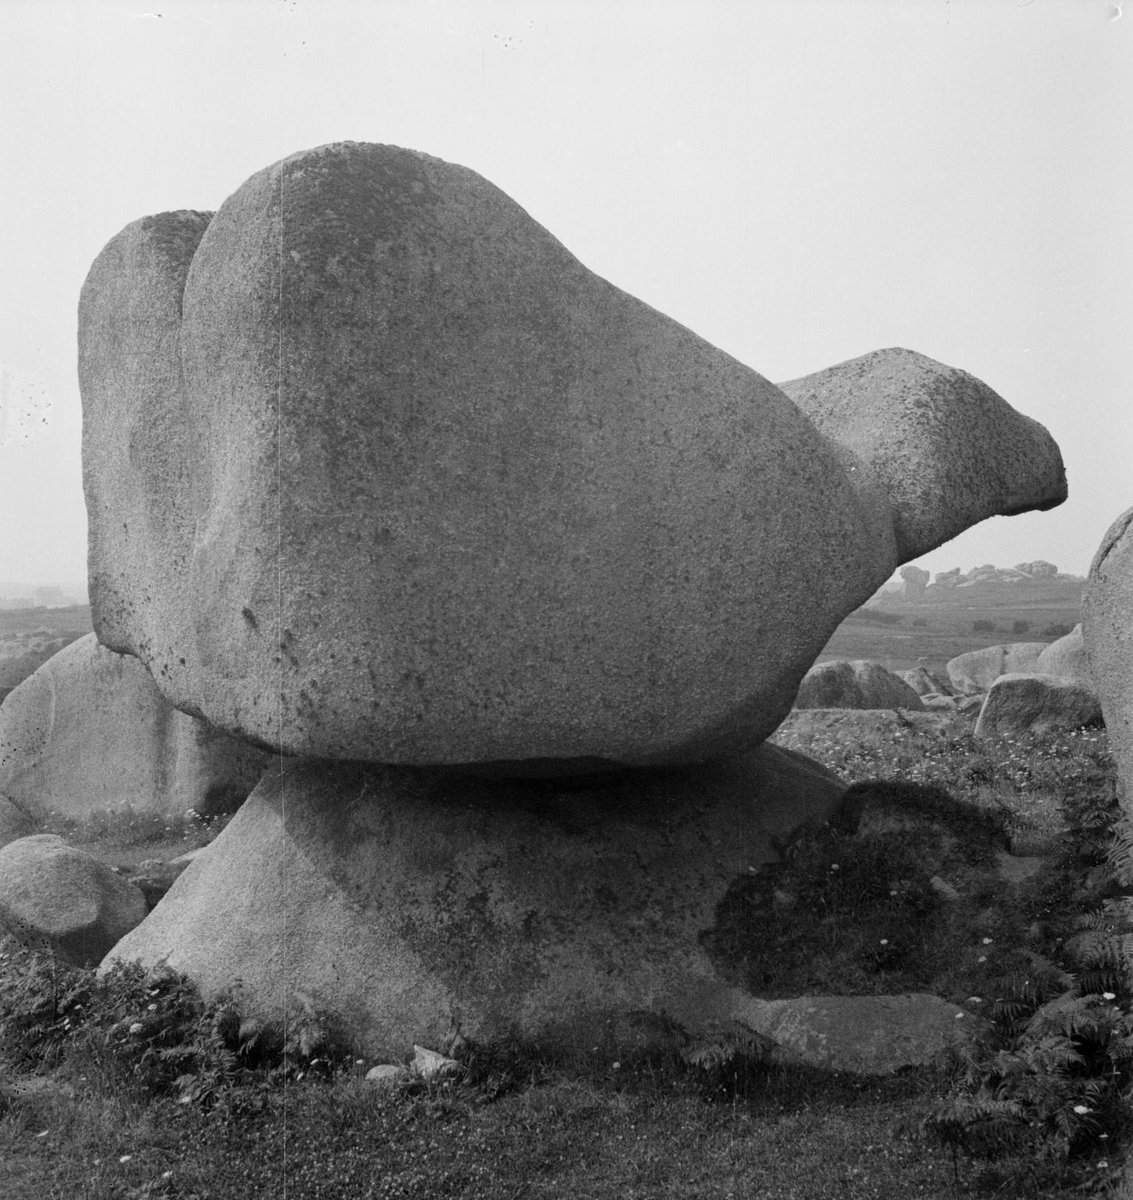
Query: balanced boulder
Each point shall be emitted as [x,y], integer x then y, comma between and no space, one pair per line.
[857,684]
[1038,703]
[975,671]
[376,469]
[415,903]
[1107,632]
[55,896]
[90,731]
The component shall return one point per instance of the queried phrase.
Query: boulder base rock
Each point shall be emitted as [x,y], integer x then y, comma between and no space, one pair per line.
[413,903]
[89,731]
[1039,703]
[856,684]
[483,507]
[977,670]
[56,896]
[1107,633]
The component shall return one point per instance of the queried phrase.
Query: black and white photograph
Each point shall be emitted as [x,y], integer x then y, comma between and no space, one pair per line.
[566,599]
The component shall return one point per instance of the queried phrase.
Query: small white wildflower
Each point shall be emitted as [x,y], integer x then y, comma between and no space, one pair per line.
[982,958]
[893,892]
[1109,995]
[1102,1136]
[987,941]
[958,1016]
[137,1027]
[43,1133]
[616,1066]
[834,866]
[885,941]
[167,1174]
[974,1000]
[125,1158]
[1102,1165]
[1081,1109]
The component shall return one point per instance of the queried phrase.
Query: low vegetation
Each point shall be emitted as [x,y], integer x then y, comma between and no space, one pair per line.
[132,1086]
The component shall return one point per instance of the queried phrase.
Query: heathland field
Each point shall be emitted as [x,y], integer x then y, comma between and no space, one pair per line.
[901,635]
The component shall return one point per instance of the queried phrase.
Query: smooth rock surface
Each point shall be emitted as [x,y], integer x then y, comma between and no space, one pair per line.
[1107,633]
[89,732]
[415,904]
[1038,703]
[856,684]
[1066,658]
[977,670]
[938,444]
[56,896]
[377,470]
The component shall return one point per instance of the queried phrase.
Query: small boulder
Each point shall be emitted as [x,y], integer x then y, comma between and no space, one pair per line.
[925,682]
[1038,703]
[857,684]
[89,731]
[975,671]
[867,1035]
[55,896]
[1066,659]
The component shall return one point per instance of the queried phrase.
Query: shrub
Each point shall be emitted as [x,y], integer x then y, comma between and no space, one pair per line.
[1020,627]
[983,626]
[1052,1082]
[153,1027]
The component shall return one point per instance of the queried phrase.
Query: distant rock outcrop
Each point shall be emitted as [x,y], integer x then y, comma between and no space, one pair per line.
[89,731]
[915,582]
[856,684]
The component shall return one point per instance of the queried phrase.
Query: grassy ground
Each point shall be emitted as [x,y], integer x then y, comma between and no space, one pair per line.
[85,1127]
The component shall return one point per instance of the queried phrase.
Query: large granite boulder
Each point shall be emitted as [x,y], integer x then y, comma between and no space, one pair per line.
[975,671]
[1107,632]
[411,901]
[89,731]
[1019,703]
[57,897]
[376,469]
[856,684]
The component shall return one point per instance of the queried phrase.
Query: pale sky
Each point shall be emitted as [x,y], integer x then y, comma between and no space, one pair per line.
[798,181]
